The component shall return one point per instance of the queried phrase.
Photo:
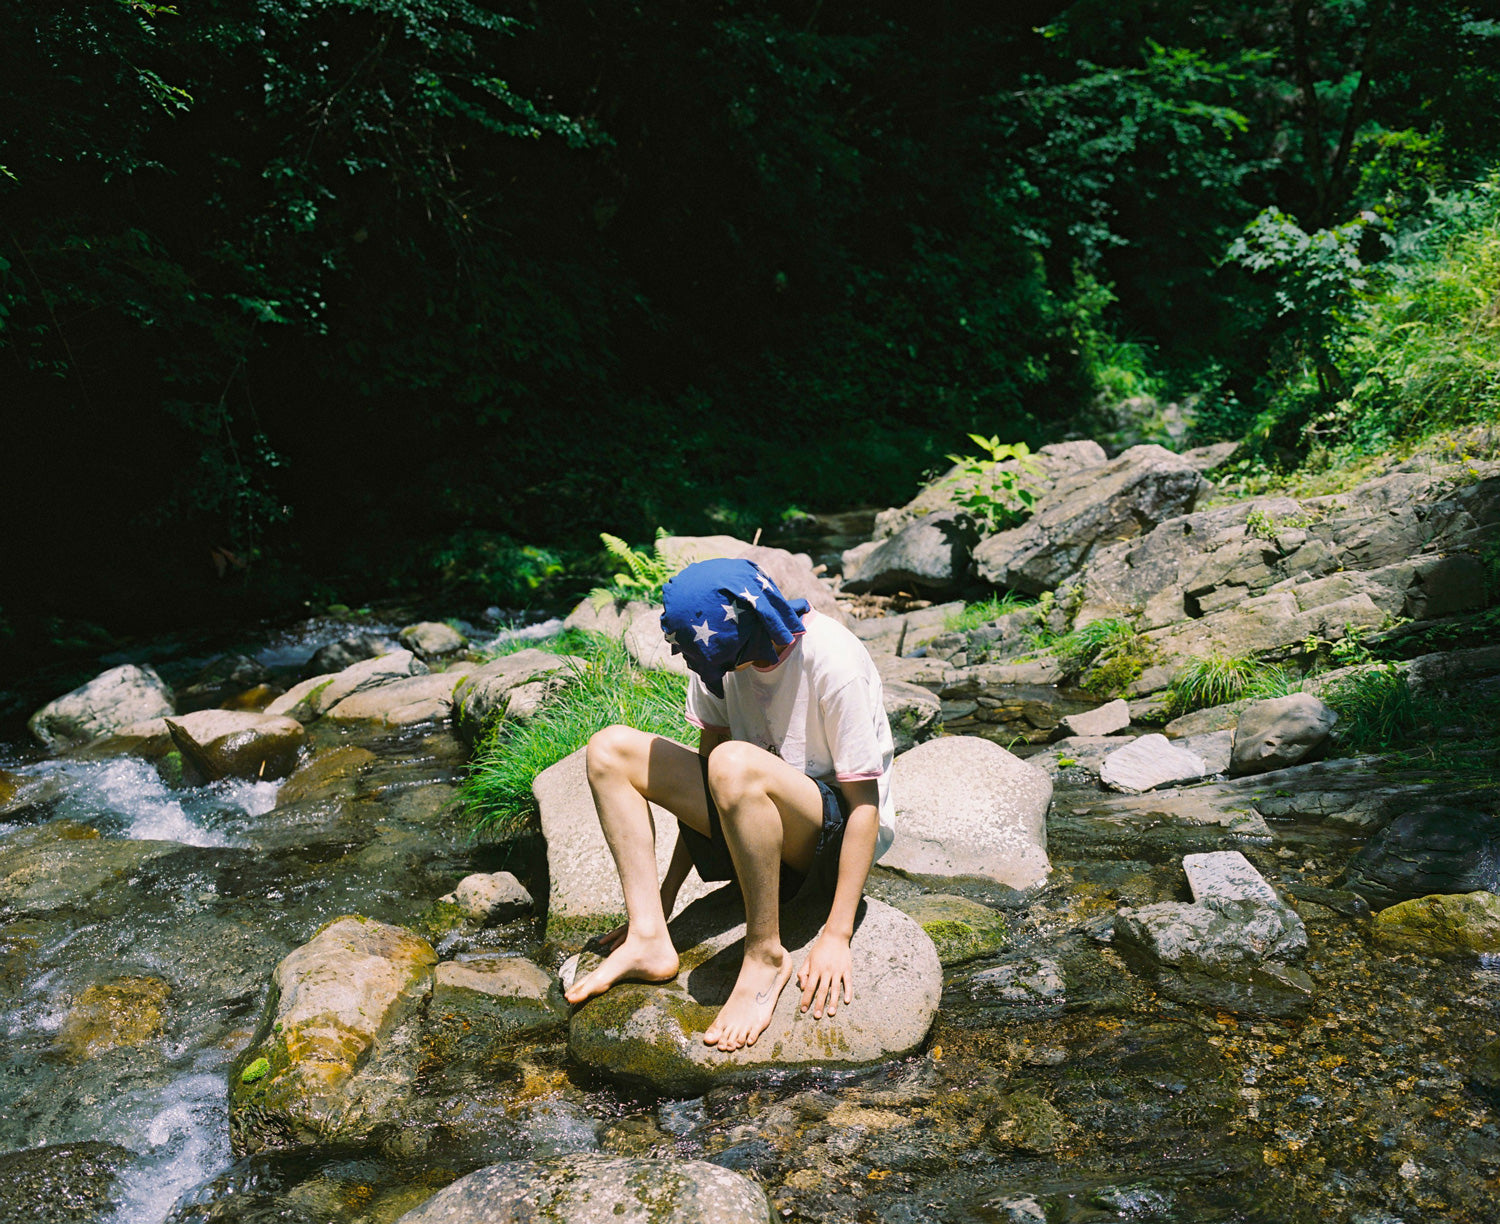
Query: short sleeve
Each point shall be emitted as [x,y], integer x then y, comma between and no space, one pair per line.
[704,710]
[850,715]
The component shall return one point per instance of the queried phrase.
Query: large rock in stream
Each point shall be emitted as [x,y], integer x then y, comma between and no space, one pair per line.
[219,744]
[967,807]
[331,1054]
[930,555]
[489,692]
[111,700]
[1280,731]
[316,696]
[1439,848]
[652,1035]
[595,1189]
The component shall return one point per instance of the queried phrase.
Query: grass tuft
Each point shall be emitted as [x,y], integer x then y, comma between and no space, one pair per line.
[1219,679]
[1376,709]
[609,688]
[986,610]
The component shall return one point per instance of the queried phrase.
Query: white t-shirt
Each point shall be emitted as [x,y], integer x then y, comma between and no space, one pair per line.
[821,710]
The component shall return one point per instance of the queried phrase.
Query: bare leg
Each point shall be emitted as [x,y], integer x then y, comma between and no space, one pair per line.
[770,812]
[625,767]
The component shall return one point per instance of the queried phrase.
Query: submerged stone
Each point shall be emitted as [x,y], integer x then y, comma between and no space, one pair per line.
[597,1189]
[652,1035]
[1436,849]
[123,1012]
[61,1183]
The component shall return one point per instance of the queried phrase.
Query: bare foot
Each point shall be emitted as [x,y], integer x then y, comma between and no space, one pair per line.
[635,960]
[748,1011]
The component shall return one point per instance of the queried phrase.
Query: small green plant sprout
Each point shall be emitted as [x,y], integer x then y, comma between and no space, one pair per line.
[993,494]
[644,575]
[1264,526]
[1066,762]
[259,1069]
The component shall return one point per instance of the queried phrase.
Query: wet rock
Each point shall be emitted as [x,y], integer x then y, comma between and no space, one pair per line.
[220,680]
[1103,720]
[430,640]
[124,1012]
[1484,1075]
[490,898]
[61,1183]
[597,1189]
[402,703]
[585,892]
[652,1035]
[219,744]
[1026,982]
[961,929]
[313,697]
[930,555]
[111,700]
[62,865]
[1149,762]
[499,992]
[1130,494]
[333,771]
[1083,753]
[915,714]
[1228,949]
[1025,1122]
[1436,849]
[325,1065]
[488,692]
[337,656]
[1280,731]
[966,806]
[1458,925]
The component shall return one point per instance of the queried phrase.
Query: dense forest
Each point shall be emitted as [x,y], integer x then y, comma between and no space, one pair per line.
[324,300]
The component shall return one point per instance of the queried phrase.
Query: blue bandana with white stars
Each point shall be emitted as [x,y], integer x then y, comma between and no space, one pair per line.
[720,614]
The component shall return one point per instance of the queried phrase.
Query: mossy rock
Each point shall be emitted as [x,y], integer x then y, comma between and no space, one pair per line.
[651,1035]
[959,928]
[1461,924]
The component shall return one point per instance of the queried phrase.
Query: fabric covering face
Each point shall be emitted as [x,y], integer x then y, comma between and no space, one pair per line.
[719,614]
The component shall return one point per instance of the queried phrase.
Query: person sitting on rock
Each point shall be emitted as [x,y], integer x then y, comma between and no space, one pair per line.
[788,793]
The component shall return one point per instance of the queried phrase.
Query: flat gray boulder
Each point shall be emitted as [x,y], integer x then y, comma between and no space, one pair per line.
[490,896]
[1112,716]
[1087,510]
[402,703]
[223,743]
[652,1035]
[1149,762]
[111,700]
[930,555]
[966,806]
[915,713]
[585,887]
[1278,732]
[591,1188]
[1231,948]
[315,696]
[432,639]
[346,652]
[488,692]
[327,1062]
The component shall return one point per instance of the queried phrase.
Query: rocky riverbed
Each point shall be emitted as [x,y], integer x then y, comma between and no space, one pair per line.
[1184,1009]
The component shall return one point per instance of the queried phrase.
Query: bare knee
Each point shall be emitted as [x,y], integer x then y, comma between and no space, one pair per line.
[614,752]
[735,772]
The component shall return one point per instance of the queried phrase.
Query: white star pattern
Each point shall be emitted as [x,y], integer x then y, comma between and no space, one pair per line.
[703,632]
[752,599]
[765,583]
[731,613]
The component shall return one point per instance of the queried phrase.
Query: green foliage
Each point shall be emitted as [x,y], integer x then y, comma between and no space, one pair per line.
[609,688]
[1105,654]
[1219,679]
[1264,526]
[1376,708]
[493,567]
[991,488]
[973,615]
[568,642]
[258,1069]
[645,572]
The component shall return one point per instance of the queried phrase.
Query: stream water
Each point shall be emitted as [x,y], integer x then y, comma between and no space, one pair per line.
[1057,1085]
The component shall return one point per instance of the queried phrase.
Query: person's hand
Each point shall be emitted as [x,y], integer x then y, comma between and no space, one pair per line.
[609,941]
[827,972]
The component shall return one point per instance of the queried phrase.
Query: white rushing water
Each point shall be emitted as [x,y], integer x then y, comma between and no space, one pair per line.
[183,1138]
[125,797]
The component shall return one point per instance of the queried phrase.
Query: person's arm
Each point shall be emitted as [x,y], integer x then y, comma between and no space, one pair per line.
[828,971]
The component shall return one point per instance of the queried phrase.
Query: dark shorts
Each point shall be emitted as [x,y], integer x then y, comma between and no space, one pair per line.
[711,854]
